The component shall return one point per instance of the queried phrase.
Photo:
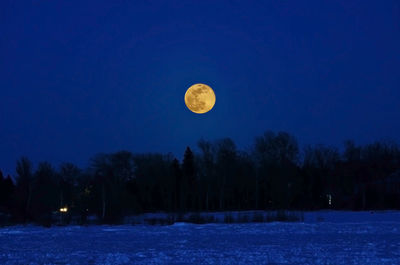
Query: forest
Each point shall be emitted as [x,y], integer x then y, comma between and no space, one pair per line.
[275,173]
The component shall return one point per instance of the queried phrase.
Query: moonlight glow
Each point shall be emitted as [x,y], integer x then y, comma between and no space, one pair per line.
[200,98]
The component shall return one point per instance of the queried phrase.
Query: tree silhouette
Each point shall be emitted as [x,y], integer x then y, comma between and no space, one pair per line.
[177,180]
[225,167]
[189,188]
[24,189]
[218,176]
[206,170]
[44,193]
[7,189]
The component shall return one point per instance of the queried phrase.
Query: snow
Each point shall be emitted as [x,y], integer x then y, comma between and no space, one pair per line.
[180,224]
[324,238]
[352,217]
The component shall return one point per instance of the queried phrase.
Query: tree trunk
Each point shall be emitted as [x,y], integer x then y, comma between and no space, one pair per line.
[61,205]
[221,198]
[104,203]
[28,202]
[207,201]
[256,190]
[363,197]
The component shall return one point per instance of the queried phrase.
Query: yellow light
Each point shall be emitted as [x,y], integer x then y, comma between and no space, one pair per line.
[64,210]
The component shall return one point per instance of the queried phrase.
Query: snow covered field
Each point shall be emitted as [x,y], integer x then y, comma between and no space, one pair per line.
[324,238]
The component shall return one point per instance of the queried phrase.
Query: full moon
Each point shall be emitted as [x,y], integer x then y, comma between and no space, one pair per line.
[200,98]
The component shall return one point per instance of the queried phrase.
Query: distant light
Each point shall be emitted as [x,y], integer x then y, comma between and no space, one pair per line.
[64,210]
[329,199]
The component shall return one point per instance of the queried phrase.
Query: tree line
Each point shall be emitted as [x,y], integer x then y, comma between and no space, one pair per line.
[273,174]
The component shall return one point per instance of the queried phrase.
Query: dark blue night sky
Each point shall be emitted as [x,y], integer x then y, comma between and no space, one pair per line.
[81,78]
